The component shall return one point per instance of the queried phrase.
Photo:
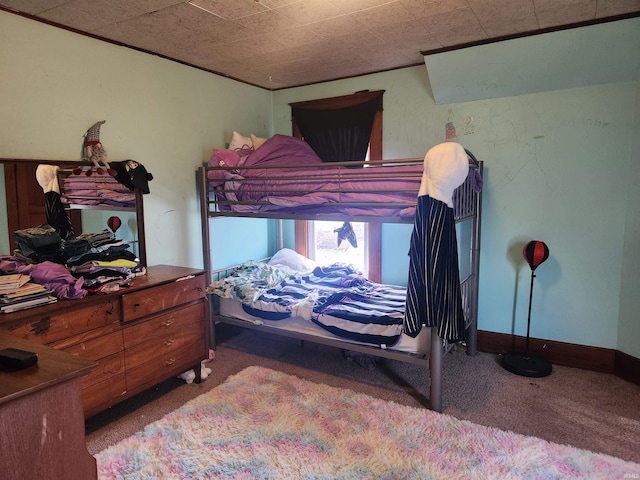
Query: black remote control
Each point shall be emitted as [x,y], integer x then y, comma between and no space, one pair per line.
[15,359]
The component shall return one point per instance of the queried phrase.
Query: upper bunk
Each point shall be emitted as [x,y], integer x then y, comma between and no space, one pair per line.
[285,179]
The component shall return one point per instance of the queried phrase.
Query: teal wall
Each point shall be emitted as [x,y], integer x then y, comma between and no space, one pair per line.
[55,84]
[559,168]
[629,318]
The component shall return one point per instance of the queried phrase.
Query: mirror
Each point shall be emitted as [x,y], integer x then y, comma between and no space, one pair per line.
[24,206]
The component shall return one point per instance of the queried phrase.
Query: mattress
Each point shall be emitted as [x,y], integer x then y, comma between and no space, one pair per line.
[233,308]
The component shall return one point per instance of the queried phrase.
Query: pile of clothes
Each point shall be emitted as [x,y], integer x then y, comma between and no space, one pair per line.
[103,263]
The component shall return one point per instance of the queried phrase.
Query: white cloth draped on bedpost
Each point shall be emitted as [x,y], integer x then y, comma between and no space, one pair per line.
[433,289]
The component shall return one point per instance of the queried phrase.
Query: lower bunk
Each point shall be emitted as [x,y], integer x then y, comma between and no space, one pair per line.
[331,306]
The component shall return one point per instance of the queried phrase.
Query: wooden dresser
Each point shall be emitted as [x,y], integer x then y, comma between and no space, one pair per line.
[41,421]
[140,336]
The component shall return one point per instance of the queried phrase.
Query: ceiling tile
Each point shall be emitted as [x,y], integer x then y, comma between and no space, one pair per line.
[553,13]
[32,6]
[353,6]
[454,28]
[275,3]
[384,15]
[339,26]
[309,11]
[153,5]
[413,34]
[501,18]
[607,8]
[229,10]
[87,15]
[264,22]
[422,8]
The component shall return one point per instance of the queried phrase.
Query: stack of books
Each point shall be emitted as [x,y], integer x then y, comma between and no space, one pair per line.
[18,293]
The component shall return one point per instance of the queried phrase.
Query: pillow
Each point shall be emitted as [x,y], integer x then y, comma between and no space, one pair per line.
[289,258]
[221,158]
[239,142]
[257,141]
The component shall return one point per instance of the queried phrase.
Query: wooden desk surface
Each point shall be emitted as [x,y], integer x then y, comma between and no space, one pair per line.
[41,406]
[53,367]
[156,275]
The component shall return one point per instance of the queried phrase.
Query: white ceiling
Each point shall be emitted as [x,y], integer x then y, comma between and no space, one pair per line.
[283,43]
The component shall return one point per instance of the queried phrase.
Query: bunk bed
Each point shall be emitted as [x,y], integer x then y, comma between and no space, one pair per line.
[264,184]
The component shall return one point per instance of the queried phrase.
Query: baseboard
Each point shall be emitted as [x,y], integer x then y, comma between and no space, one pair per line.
[627,367]
[568,354]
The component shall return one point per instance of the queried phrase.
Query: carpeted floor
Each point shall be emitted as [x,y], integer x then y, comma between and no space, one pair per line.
[264,424]
[588,410]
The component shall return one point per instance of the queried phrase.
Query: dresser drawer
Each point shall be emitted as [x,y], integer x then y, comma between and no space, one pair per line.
[52,328]
[108,367]
[167,326]
[100,396]
[96,348]
[162,356]
[140,348]
[164,364]
[157,299]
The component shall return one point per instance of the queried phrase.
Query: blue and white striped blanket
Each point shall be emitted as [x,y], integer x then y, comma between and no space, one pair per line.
[339,299]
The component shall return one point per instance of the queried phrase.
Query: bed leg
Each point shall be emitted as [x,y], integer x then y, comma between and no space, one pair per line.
[472,339]
[213,309]
[435,370]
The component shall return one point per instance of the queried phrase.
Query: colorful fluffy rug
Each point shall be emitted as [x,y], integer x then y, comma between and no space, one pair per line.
[263,424]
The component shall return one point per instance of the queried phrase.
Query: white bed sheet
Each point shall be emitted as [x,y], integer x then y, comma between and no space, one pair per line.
[406,344]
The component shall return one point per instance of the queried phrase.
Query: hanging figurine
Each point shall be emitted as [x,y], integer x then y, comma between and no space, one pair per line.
[93,151]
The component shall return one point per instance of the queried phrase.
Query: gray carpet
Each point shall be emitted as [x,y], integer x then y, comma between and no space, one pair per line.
[595,411]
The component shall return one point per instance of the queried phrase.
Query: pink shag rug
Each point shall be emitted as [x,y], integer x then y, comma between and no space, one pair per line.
[263,424]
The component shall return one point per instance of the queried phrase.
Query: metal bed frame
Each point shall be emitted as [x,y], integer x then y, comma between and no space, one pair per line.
[467,206]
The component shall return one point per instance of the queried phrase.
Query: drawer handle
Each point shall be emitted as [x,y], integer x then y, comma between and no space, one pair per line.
[171,361]
[136,305]
[169,342]
[200,289]
[167,323]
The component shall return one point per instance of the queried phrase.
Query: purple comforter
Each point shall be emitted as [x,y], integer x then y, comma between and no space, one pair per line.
[96,190]
[286,175]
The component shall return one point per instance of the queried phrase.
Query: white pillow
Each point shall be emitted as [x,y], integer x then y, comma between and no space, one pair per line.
[239,142]
[289,258]
[257,141]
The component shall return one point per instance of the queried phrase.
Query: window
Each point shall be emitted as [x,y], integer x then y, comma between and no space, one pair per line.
[371,231]
[325,250]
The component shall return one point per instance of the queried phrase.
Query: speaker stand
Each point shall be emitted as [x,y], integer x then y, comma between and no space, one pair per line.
[526,365]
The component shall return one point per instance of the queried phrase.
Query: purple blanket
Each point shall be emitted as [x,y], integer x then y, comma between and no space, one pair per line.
[96,190]
[295,180]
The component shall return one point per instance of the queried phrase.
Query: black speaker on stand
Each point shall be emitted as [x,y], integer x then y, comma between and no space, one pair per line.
[535,252]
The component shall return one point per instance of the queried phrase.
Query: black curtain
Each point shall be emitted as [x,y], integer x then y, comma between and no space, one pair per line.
[340,134]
